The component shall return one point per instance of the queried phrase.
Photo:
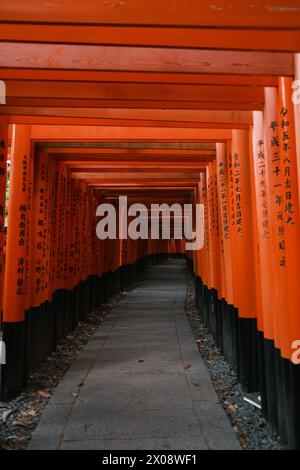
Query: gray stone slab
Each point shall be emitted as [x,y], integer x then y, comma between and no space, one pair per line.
[140,382]
[216,425]
[148,305]
[184,332]
[151,342]
[164,443]
[145,327]
[123,391]
[193,358]
[154,324]
[134,366]
[187,346]
[49,433]
[201,388]
[136,352]
[142,334]
[144,344]
[146,313]
[159,316]
[88,422]
[68,388]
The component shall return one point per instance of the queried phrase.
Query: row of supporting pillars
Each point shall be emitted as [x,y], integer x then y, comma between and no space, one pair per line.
[56,269]
[247,274]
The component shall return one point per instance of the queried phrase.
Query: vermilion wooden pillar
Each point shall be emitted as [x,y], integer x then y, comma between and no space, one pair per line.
[254,208]
[213,233]
[39,230]
[275,199]
[36,333]
[290,224]
[67,229]
[265,279]
[222,285]
[72,235]
[3,165]
[245,294]
[290,213]
[271,325]
[15,266]
[225,249]
[197,255]
[232,217]
[213,226]
[208,274]
[222,207]
[297,109]
[205,268]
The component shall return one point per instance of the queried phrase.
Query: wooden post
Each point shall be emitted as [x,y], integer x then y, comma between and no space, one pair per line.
[290,223]
[12,374]
[245,294]
[3,175]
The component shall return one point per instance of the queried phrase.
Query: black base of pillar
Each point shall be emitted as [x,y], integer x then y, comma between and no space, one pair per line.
[281,397]
[259,365]
[248,354]
[262,373]
[12,373]
[294,408]
[271,385]
[30,342]
[229,334]
[219,317]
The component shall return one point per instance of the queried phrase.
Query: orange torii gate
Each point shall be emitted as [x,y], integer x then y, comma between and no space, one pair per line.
[169,103]
[40,300]
[91,172]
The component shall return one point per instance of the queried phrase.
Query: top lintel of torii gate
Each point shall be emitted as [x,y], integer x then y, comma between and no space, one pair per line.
[221,24]
[98,133]
[192,13]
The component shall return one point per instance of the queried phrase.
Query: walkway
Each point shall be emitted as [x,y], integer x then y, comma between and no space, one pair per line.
[140,382]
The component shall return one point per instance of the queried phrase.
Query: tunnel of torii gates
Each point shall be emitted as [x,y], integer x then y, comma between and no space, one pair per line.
[163,102]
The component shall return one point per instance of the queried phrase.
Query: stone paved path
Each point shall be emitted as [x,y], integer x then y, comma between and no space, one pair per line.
[140,382]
